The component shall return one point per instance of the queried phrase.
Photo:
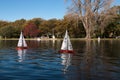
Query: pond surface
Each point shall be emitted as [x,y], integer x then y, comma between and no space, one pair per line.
[92,60]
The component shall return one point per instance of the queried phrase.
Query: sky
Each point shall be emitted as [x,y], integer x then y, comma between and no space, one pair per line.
[11,10]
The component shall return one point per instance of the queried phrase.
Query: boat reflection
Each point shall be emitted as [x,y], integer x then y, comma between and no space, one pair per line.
[66,60]
[21,55]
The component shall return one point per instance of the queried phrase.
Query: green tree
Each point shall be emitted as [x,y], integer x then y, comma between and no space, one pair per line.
[3,23]
[44,27]
[113,29]
[18,26]
[37,21]
[74,25]
[7,32]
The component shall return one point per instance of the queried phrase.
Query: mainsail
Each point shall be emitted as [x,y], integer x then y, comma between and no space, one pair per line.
[66,44]
[21,42]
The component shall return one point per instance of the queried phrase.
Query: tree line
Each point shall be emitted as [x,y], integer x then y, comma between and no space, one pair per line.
[38,27]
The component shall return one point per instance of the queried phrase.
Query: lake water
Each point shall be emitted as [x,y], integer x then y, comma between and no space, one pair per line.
[92,60]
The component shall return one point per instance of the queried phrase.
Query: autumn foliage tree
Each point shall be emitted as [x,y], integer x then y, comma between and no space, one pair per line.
[31,30]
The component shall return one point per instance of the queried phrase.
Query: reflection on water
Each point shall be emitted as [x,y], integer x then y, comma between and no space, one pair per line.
[66,60]
[97,61]
[92,60]
[21,54]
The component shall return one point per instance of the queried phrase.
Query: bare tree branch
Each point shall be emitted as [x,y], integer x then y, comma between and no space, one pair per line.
[93,13]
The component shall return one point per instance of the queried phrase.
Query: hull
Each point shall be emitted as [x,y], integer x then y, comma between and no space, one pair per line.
[21,48]
[66,51]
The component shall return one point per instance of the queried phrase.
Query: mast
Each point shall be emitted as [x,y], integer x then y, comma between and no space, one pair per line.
[67,39]
[22,41]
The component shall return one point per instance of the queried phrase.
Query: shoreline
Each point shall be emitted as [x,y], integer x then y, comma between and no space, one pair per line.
[61,39]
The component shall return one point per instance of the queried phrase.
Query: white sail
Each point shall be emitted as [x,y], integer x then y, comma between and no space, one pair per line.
[22,42]
[69,44]
[66,44]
